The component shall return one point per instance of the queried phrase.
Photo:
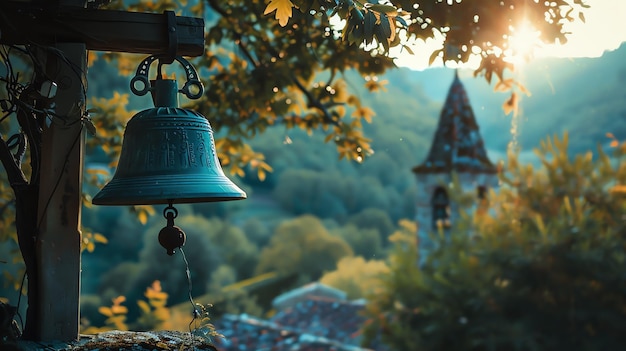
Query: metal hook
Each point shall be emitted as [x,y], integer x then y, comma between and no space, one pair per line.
[141,76]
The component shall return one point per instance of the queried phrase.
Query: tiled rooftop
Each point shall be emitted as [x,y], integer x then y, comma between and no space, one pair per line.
[313,324]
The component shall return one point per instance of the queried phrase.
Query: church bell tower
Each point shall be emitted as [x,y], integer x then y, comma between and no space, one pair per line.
[457,148]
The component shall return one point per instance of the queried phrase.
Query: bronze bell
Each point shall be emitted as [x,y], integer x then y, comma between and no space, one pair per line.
[168,153]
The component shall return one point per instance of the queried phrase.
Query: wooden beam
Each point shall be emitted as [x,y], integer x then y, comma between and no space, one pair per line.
[100,30]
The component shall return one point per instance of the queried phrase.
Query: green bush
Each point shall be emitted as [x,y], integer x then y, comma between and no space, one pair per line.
[538,265]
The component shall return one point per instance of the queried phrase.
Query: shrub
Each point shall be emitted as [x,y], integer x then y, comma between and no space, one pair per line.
[539,266]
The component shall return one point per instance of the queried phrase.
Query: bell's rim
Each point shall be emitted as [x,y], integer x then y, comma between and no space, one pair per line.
[159,201]
[170,189]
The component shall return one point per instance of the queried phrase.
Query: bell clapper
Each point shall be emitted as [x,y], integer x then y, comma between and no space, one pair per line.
[171,237]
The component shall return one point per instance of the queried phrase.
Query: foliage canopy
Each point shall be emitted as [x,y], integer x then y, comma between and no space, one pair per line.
[289,72]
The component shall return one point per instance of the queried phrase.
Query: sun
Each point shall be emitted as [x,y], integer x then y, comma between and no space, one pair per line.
[523,42]
[604,29]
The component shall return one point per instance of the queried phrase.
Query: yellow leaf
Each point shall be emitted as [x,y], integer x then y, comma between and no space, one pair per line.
[266,167]
[408,225]
[156,286]
[341,111]
[157,295]
[240,172]
[510,105]
[118,300]
[143,217]
[162,314]
[99,238]
[621,189]
[97,171]
[364,112]
[283,10]
[156,303]
[119,309]
[105,311]
[144,306]
[91,58]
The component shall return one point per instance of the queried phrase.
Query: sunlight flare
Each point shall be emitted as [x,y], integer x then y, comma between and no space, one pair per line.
[522,43]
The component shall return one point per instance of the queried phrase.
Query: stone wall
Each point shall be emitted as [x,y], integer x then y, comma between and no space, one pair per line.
[427,183]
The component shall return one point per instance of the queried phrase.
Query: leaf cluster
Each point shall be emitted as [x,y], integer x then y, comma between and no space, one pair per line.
[463,27]
[116,316]
[154,312]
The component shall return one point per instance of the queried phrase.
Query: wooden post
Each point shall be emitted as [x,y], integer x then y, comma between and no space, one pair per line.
[58,241]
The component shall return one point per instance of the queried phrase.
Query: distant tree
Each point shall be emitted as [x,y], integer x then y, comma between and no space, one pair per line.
[364,242]
[303,246]
[257,232]
[540,264]
[304,191]
[223,275]
[331,195]
[226,297]
[119,279]
[357,277]
[374,218]
[122,229]
[234,248]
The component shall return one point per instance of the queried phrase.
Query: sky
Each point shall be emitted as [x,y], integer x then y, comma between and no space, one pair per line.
[604,30]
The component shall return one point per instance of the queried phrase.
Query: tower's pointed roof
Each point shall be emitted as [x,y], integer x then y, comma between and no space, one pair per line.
[457,145]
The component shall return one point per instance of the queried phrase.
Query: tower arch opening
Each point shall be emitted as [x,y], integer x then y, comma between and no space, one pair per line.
[440,204]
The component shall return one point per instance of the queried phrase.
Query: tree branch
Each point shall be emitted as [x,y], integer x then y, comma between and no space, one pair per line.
[14,172]
[215,6]
[313,101]
[32,129]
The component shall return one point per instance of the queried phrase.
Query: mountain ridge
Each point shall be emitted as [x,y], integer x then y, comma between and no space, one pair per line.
[581,96]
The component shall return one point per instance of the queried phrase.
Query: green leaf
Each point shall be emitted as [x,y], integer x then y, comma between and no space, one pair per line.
[384,23]
[382,32]
[369,22]
[382,9]
[401,20]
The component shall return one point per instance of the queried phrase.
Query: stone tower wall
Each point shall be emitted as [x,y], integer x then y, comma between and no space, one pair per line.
[427,183]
